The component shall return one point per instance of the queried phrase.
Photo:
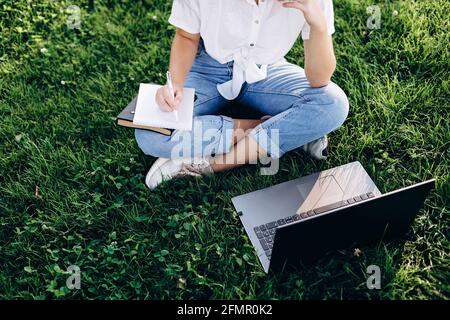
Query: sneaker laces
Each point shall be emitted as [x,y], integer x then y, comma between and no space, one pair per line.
[318,149]
[196,168]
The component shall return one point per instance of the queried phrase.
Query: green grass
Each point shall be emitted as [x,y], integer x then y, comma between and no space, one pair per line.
[94,211]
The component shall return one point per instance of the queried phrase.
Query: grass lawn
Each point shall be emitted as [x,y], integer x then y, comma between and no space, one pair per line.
[71,181]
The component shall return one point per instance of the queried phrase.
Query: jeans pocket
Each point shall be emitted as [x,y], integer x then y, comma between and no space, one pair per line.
[200,52]
[201,49]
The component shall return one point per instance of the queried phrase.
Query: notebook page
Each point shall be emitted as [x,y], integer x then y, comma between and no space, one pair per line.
[148,113]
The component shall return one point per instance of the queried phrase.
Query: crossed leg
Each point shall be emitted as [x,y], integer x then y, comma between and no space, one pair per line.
[300,114]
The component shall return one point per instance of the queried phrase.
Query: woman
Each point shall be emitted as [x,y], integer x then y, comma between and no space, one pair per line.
[232,53]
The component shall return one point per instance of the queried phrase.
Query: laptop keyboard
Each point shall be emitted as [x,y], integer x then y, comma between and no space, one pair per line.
[266,232]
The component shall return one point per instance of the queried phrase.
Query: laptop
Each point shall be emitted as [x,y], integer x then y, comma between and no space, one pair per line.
[298,221]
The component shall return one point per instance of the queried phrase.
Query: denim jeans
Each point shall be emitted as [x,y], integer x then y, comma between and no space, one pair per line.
[300,113]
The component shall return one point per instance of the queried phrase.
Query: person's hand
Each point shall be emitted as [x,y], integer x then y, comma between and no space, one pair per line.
[165,100]
[311,11]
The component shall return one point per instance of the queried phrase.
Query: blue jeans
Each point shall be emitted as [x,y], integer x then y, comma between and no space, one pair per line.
[300,113]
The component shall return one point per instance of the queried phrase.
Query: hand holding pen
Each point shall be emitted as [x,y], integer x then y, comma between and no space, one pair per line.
[172,92]
[169,96]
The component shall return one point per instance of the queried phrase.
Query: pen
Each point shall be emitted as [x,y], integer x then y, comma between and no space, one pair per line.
[170,85]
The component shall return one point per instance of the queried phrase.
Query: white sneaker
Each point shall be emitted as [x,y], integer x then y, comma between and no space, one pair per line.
[166,169]
[318,149]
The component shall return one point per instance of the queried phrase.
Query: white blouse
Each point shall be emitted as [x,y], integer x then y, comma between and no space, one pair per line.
[246,33]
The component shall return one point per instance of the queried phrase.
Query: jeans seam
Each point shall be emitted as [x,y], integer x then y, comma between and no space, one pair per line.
[206,99]
[276,92]
[278,120]
[255,133]
[262,127]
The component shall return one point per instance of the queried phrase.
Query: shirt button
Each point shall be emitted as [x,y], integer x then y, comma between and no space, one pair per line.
[256,21]
[252,44]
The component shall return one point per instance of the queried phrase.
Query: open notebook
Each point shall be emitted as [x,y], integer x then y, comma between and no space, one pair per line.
[149,114]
